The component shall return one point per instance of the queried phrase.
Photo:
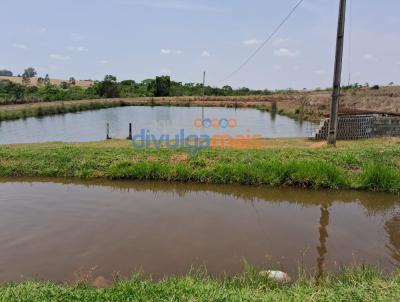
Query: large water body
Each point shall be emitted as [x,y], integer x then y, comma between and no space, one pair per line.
[91,125]
[52,230]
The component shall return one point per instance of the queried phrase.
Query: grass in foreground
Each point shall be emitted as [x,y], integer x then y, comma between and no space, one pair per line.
[369,164]
[357,284]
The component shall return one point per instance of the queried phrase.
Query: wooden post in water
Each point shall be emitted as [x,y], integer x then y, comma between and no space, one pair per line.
[130,131]
[274,107]
[108,132]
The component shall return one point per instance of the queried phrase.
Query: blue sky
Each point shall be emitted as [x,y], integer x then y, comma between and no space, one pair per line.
[139,39]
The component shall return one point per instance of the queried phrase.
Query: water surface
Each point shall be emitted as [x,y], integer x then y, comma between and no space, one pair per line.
[91,125]
[51,230]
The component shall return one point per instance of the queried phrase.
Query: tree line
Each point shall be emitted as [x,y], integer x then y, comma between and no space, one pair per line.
[109,87]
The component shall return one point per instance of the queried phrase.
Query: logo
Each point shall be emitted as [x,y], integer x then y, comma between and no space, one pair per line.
[185,138]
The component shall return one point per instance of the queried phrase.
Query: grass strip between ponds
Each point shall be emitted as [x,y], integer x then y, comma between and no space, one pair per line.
[356,284]
[367,165]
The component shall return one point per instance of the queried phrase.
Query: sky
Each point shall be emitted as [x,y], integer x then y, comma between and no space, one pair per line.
[139,39]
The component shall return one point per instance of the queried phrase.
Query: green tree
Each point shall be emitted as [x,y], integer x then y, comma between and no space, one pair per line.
[64,85]
[30,72]
[14,90]
[6,73]
[127,83]
[31,89]
[147,87]
[162,86]
[127,88]
[109,87]
[227,89]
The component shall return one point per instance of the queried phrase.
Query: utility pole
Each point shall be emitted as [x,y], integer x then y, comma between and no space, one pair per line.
[204,93]
[333,122]
[204,83]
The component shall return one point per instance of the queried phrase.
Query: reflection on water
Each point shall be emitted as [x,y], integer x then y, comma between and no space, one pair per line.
[392,228]
[91,125]
[52,230]
[323,236]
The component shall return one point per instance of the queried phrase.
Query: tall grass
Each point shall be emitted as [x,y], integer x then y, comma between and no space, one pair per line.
[355,284]
[41,111]
[353,168]
[378,176]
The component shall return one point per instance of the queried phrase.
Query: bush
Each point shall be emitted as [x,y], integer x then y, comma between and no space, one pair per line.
[380,177]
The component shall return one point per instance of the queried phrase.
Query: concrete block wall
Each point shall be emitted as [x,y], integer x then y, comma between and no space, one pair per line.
[387,126]
[361,126]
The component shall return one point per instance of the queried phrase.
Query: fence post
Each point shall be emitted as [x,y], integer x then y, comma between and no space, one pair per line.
[108,132]
[130,131]
[274,107]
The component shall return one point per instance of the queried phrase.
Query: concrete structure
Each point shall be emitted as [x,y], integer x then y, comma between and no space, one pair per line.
[361,126]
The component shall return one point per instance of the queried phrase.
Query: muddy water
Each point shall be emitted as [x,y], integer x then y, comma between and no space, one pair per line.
[52,231]
[91,125]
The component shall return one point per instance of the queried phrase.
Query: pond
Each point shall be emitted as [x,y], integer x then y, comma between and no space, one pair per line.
[53,230]
[91,125]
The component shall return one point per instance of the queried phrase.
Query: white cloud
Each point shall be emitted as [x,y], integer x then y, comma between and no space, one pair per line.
[103,62]
[175,52]
[251,42]
[369,57]
[78,49]
[165,51]
[284,52]
[205,54]
[20,46]
[59,57]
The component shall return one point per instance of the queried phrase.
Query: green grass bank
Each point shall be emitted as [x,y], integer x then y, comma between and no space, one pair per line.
[364,165]
[273,104]
[56,108]
[358,284]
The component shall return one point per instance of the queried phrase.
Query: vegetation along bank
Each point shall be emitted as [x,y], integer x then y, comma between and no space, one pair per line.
[48,97]
[365,165]
[356,284]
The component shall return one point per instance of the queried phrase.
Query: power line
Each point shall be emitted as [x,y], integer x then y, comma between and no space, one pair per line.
[264,42]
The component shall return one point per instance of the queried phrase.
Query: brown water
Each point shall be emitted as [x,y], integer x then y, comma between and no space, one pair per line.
[52,231]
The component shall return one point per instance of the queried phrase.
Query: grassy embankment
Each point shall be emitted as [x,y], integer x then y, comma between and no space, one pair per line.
[14,112]
[278,104]
[358,284]
[366,165]
[307,105]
